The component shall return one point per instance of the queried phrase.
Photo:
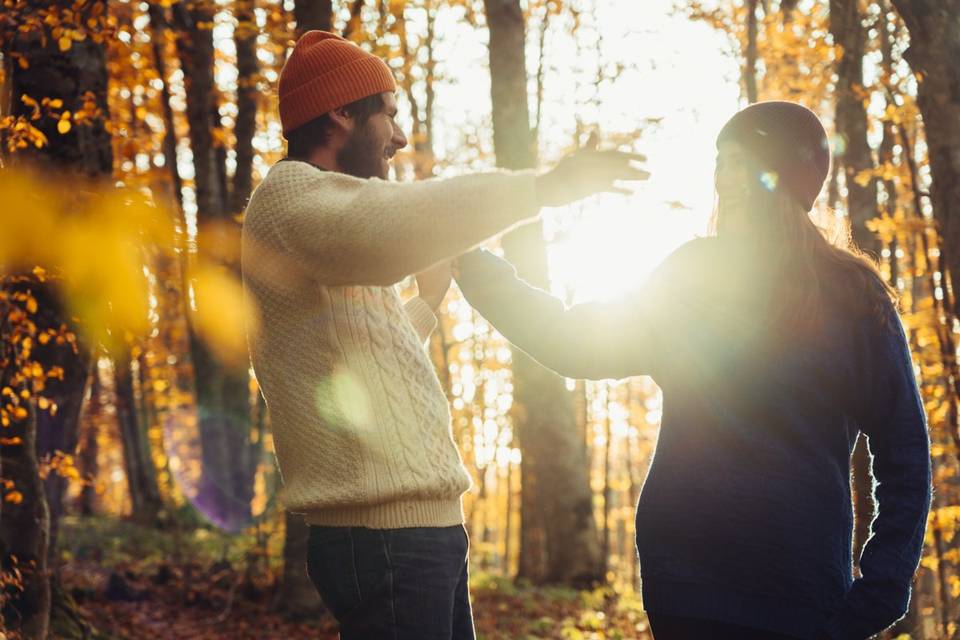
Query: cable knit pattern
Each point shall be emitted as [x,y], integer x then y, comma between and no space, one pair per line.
[360,422]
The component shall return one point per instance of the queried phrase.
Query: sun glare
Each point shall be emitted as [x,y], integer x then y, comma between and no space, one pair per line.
[609,244]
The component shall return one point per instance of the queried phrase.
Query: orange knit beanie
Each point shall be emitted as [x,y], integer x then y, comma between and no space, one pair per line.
[324,72]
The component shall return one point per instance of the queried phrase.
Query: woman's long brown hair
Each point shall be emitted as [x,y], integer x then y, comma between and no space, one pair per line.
[811,266]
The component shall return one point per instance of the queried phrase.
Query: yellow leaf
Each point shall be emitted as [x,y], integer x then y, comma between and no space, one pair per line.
[864,177]
[65,43]
[19,413]
[31,304]
[43,403]
[63,126]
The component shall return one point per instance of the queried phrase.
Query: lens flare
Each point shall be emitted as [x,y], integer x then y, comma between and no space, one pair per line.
[769,180]
[342,399]
[219,468]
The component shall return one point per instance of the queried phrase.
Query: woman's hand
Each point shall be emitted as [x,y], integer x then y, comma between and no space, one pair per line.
[433,283]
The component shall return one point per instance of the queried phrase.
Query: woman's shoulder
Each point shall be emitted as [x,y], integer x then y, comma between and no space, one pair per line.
[698,251]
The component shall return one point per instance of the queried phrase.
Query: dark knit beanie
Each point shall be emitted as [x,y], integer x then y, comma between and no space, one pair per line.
[787,139]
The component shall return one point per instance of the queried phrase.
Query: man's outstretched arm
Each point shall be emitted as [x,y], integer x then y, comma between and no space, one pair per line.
[346,230]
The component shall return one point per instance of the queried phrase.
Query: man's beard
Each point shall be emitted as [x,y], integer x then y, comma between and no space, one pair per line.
[362,156]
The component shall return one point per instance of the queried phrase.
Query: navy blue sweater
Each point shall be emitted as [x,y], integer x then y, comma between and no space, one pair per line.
[746,514]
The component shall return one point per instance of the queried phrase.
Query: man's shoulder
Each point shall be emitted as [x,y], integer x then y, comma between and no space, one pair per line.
[284,180]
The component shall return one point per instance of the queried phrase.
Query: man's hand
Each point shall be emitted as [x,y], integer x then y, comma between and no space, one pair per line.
[585,172]
[432,284]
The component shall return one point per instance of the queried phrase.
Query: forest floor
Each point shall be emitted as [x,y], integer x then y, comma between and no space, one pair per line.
[135,583]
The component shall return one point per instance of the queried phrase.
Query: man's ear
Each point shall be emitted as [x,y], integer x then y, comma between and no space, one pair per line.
[342,119]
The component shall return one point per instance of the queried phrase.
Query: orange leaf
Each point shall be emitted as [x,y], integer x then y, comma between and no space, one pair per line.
[15,497]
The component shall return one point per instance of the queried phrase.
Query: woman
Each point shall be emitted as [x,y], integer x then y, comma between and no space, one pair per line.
[773,348]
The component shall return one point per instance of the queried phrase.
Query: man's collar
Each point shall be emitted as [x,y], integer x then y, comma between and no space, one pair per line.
[316,166]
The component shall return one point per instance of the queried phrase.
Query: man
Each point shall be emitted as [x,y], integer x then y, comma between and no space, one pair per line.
[360,422]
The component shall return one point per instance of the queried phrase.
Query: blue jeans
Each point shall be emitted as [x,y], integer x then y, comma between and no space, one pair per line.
[393,584]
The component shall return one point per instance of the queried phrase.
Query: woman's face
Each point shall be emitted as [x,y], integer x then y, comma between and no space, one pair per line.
[738,183]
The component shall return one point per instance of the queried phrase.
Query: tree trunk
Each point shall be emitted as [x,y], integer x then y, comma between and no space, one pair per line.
[846,25]
[222,390]
[65,73]
[158,31]
[245,37]
[558,533]
[297,598]
[934,27]
[313,14]
[195,47]
[88,450]
[145,497]
[750,66]
[25,530]
[59,433]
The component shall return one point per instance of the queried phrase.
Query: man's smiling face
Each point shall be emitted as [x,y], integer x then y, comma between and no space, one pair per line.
[373,142]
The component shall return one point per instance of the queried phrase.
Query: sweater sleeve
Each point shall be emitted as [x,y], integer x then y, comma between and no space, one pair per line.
[349,231]
[594,341]
[421,316]
[893,419]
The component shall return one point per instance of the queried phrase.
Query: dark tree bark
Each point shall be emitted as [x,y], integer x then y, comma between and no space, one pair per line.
[25,529]
[297,597]
[74,75]
[888,35]
[787,7]
[141,473]
[159,26]
[846,26]
[750,65]
[934,27]
[88,449]
[245,37]
[194,22]
[313,14]
[558,540]
[222,389]
[60,432]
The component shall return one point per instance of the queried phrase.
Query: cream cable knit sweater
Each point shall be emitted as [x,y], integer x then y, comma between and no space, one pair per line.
[360,422]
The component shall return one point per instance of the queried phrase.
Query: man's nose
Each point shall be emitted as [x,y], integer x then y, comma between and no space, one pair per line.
[399,140]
